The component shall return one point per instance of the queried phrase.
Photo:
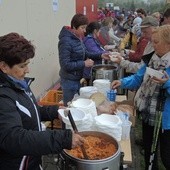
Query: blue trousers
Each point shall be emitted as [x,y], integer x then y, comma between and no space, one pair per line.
[69,88]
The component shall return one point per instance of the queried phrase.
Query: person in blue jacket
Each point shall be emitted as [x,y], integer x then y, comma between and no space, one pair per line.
[22,141]
[74,57]
[147,97]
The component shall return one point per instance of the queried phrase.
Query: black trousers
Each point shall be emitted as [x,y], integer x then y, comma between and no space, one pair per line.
[147,134]
[165,148]
[163,140]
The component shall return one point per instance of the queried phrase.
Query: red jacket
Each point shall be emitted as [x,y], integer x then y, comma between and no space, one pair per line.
[136,57]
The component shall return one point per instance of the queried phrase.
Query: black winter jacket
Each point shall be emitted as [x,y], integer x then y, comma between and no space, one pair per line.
[72,53]
[21,140]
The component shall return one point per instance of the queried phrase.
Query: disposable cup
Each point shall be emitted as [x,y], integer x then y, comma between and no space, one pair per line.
[126,127]
[111,95]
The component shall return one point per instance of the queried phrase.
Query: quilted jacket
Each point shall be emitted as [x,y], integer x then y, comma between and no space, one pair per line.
[72,53]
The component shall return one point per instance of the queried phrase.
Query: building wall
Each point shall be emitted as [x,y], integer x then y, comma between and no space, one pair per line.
[37,21]
[88,8]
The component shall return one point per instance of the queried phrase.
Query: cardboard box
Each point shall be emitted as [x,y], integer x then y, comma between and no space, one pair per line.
[131,95]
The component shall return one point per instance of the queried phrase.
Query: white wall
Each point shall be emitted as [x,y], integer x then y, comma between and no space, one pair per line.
[37,21]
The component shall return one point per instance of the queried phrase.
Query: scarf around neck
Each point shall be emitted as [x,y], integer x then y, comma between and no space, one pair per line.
[147,95]
[22,83]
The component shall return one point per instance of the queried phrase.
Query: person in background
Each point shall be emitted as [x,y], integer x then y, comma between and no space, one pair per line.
[131,37]
[93,45]
[141,13]
[74,57]
[129,44]
[112,34]
[157,15]
[166,17]
[22,141]
[121,31]
[148,96]
[100,15]
[137,22]
[147,25]
[135,56]
[104,37]
[123,11]
[90,40]
[108,12]
[129,22]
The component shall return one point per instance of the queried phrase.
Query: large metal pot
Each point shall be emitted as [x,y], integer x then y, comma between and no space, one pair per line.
[110,163]
[104,72]
[107,71]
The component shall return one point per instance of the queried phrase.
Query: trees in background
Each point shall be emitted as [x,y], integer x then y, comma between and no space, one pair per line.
[151,5]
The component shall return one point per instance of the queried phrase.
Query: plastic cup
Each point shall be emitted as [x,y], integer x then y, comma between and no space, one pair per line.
[111,95]
[126,126]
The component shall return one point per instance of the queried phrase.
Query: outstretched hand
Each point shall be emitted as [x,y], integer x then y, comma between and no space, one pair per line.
[77,140]
[115,84]
[106,56]
[161,80]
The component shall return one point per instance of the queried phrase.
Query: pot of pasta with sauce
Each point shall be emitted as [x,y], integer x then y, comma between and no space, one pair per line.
[103,153]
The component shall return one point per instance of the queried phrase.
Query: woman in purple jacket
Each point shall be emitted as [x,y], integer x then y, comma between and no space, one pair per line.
[93,45]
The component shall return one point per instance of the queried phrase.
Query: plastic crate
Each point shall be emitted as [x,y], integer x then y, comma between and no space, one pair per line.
[55,124]
[52,97]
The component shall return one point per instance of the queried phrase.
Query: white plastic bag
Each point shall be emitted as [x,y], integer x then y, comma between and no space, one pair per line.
[86,125]
[109,124]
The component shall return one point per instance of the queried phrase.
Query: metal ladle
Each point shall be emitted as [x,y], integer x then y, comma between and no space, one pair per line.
[68,113]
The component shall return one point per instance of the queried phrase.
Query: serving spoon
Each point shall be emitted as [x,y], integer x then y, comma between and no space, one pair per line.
[68,113]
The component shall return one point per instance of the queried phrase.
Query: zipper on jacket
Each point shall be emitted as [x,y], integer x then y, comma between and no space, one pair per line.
[38,120]
[24,163]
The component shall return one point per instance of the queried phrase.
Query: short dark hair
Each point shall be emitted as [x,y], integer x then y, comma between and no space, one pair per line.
[142,11]
[166,14]
[79,19]
[92,26]
[15,49]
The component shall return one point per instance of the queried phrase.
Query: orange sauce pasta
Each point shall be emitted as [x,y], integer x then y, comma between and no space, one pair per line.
[96,148]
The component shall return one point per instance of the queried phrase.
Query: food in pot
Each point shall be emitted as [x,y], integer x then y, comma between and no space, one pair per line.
[96,148]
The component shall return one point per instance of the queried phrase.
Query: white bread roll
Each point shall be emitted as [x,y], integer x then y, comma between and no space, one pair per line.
[98,98]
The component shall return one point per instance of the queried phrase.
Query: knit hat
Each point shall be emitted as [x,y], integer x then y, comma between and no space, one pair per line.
[136,30]
[149,21]
[137,20]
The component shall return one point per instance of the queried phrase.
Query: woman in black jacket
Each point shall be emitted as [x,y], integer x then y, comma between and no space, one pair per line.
[22,141]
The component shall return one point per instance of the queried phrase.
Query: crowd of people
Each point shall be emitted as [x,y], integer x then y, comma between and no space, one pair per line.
[148,95]
[141,41]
